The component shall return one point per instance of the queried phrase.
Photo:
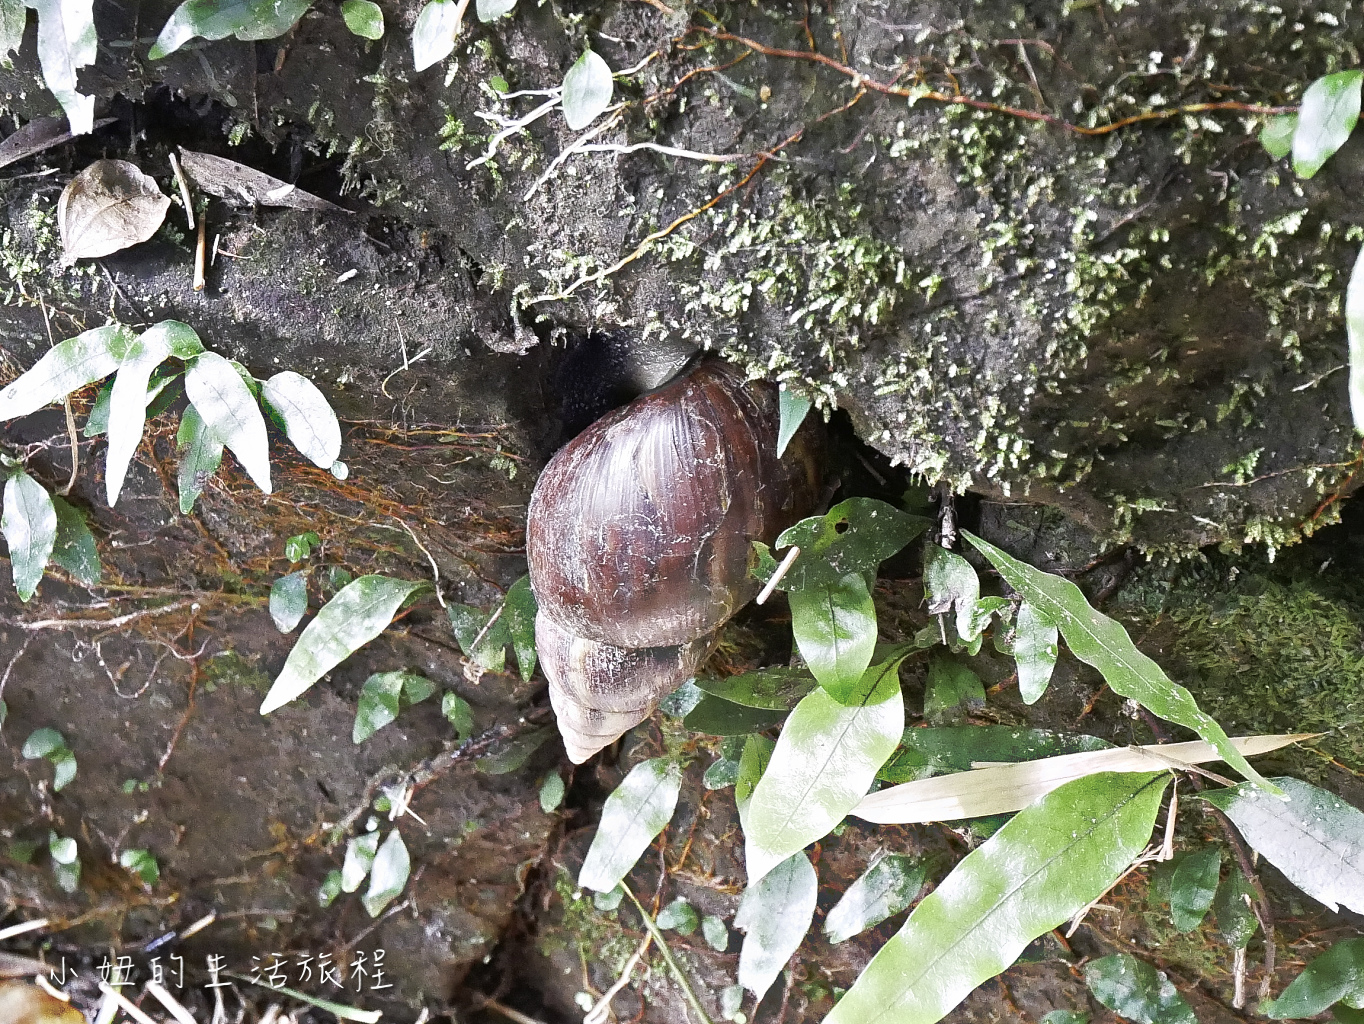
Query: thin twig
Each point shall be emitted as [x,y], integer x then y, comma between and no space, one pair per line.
[114,623]
[66,404]
[667,955]
[508,1012]
[184,189]
[602,1010]
[575,147]
[782,570]
[917,93]
[512,128]
[435,569]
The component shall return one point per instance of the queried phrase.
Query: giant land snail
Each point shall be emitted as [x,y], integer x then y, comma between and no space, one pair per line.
[639,540]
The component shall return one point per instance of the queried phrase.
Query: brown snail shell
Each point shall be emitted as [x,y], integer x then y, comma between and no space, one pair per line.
[639,540]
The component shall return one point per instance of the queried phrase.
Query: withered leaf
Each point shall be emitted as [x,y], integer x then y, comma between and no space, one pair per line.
[107,207]
[246,186]
[39,134]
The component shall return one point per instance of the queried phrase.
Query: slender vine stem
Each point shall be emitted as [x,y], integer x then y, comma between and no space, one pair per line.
[667,955]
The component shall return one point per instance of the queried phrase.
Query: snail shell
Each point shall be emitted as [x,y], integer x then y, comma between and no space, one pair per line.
[639,540]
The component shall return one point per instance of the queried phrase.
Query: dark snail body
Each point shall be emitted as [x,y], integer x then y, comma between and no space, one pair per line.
[639,537]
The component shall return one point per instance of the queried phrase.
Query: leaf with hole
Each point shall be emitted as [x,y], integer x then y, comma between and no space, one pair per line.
[587,90]
[109,206]
[855,536]
[1277,135]
[634,814]
[1315,838]
[66,367]
[834,624]
[1327,115]
[824,762]
[792,410]
[1101,642]
[67,42]
[364,18]
[355,616]
[1046,864]
[1035,651]
[229,411]
[247,20]
[128,407]
[883,890]
[775,689]
[74,547]
[308,417]
[387,875]
[491,10]
[433,36]
[1193,886]
[775,913]
[29,524]
[1336,976]
[1136,991]
[201,453]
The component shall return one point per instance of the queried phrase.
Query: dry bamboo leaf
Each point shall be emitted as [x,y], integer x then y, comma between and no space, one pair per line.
[107,207]
[246,186]
[1006,788]
[39,134]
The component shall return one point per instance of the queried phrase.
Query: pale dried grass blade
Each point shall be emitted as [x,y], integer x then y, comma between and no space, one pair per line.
[1006,788]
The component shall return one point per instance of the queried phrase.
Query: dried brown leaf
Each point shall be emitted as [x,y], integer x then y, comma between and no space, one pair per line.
[109,206]
[246,186]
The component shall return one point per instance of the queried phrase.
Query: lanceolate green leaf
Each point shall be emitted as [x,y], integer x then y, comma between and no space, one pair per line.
[1315,838]
[1097,640]
[775,914]
[1193,887]
[1035,652]
[201,453]
[1326,117]
[753,761]
[793,409]
[774,688]
[217,19]
[29,523]
[587,90]
[716,716]
[638,810]
[855,536]
[308,417]
[66,43]
[1334,977]
[1136,991]
[1354,330]
[355,616]
[75,549]
[229,410]
[65,367]
[1048,862]
[824,763]
[884,889]
[128,407]
[835,628]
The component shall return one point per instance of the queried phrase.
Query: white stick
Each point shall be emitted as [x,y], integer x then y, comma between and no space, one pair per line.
[173,1005]
[782,570]
[20,929]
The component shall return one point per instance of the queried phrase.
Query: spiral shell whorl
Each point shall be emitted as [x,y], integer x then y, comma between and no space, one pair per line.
[639,542]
